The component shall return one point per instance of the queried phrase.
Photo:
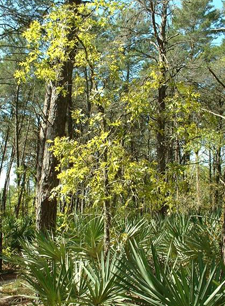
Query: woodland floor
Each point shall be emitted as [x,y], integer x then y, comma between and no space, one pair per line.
[12,290]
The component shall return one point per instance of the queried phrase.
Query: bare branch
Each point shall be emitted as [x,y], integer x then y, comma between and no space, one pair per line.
[216,77]
[215,114]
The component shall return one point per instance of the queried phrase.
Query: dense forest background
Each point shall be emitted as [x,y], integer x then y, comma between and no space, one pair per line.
[111,109]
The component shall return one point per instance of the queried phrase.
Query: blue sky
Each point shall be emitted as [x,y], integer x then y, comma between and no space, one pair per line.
[218,3]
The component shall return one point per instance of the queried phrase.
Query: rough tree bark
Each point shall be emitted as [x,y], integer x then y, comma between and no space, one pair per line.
[55,114]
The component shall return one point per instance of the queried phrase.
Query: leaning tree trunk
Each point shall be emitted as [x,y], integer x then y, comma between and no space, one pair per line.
[53,125]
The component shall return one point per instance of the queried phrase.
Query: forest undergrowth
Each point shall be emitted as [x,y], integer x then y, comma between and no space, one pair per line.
[172,261]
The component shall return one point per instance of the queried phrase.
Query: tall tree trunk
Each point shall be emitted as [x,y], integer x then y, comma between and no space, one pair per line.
[7,179]
[4,150]
[210,180]
[223,236]
[22,178]
[197,175]
[1,234]
[56,106]
[107,198]
[107,208]
[88,91]
[53,125]
[161,143]
[17,153]
[22,189]
[218,174]
[23,153]
[161,39]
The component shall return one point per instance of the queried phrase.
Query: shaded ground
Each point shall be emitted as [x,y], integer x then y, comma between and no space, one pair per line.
[13,291]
